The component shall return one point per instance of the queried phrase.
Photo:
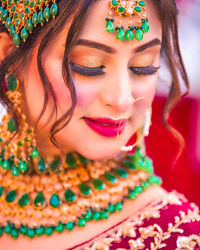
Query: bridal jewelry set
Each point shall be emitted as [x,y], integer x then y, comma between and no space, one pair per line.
[41,196]
[22,16]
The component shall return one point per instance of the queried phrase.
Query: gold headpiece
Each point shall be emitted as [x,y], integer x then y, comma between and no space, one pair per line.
[21,16]
[127,8]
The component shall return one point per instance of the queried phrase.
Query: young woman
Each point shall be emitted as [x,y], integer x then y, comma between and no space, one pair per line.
[76,88]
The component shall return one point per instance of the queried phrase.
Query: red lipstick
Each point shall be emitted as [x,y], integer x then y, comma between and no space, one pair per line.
[106,126]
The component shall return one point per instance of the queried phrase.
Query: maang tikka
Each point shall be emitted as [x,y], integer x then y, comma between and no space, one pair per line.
[128,8]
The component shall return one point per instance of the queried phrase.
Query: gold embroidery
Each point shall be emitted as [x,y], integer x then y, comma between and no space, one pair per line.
[188,242]
[128,228]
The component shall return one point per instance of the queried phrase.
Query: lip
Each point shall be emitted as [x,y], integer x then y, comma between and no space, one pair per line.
[106,126]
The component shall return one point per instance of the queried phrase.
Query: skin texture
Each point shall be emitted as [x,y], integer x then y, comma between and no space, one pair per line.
[110,95]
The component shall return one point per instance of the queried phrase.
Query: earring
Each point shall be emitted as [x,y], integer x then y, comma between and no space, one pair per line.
[17,139]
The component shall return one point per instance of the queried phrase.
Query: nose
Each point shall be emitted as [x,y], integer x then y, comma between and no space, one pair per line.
[117,91]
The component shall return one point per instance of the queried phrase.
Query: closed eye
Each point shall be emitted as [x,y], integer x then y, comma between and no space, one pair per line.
[149,70]
[87,71]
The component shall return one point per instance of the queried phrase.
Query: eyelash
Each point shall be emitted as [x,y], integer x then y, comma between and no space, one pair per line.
[88,71]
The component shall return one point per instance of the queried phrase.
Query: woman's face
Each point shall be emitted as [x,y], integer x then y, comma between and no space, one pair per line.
[126,75]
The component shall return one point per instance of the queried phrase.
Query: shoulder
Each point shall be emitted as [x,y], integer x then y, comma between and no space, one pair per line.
[169,222]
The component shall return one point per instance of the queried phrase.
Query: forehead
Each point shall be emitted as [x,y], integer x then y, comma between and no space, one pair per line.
[94,27]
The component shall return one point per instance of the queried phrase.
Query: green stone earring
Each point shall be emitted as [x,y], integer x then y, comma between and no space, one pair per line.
[128,9]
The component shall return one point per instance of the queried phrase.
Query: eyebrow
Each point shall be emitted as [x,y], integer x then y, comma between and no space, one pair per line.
[108,49]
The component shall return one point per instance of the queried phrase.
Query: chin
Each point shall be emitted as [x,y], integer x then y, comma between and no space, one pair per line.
[99,153]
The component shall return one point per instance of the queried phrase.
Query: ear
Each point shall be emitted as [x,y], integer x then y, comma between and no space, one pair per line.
[6,45]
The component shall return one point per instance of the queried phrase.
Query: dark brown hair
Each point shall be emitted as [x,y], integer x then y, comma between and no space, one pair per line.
[167,13]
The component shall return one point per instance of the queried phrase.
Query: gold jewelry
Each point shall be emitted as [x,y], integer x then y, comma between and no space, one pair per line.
[127,8]
[21,16]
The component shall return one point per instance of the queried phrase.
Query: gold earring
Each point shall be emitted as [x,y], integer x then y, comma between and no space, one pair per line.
[18,145]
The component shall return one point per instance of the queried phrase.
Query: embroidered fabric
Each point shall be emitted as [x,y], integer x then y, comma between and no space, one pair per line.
[169,223]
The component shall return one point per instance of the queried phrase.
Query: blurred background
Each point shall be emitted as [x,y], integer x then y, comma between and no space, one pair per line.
[161,145]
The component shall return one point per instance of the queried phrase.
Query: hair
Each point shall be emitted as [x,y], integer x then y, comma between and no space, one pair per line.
[75,11]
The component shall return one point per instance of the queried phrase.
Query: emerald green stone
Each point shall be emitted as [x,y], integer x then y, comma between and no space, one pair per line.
[54,9]
[1,191]
[138,9]
[13,9]
[48,231]
[14,233]
[111,208]
[19,143]
[24,200]
[32,4]
[138,189]
[7,228]
[39,200]
[8,22]
[23,166]
[41,17]
[6,165]
[110,27]
[129,165]
[146,27]
[81,222]
[96,215]
[70,160]
[110,177]
[129,35]
[121,9]
[39,231]
[83,159]
[132,194]
[15,171]
[10,2]
[120,35]
[16,39]
[1,10]
[23,229]
[35,19]
[148,165]
[27,11]
[59,228]
[115,3]
[85,189]
[41,165]
[38,2]
[69,195]
[1,231]
[154,180]
[88,216]
[11,196]
[1,139]
[145,185]
[141,3]
[98,184]
[11,123]
[69,226]
[55,164]
[16,1]
[104,215]
[15,16]
[55,200]
[138,35]
[12,30]
[35,154]
[47,14]
[30,232]
[118,206]
[4,15]
[26,2]
[24,34]
[121,172]
[17,23]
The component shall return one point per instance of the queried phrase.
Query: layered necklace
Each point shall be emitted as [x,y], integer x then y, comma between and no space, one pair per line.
[44,196]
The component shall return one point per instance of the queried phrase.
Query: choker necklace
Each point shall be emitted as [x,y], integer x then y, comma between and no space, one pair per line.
[34,205]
